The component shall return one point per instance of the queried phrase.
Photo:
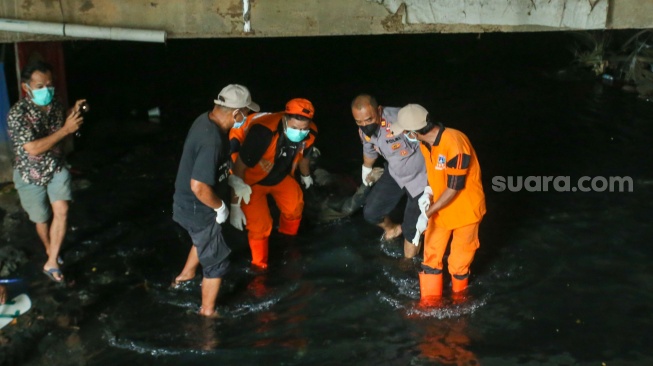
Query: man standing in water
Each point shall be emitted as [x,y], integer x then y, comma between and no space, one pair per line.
[201,189]
[454,202]
[272,147]
[405,165]
[37,128]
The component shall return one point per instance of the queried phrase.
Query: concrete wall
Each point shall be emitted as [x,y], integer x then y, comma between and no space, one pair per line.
[287,18]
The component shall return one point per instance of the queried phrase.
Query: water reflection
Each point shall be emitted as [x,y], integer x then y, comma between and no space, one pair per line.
[447,342]
[286,331]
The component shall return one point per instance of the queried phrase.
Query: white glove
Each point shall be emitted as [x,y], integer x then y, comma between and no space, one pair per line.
[307,181]
[366,171]
[221,213]
[422,222]
[241,190]
[424,202]
[237,218]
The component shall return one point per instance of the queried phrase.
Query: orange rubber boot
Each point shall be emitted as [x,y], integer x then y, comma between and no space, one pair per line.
[289,227]
[430,288]
[459,285]
[259,248]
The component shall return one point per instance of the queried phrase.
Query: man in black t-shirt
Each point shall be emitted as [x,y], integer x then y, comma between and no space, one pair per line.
[201,187]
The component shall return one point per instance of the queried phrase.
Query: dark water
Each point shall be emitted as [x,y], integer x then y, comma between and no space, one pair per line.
[560,278]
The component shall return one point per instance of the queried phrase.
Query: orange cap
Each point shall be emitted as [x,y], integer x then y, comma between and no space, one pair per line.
[302,107]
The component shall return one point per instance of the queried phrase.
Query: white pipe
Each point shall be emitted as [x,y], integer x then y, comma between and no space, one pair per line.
[116,34]
[12,25]
[247,27]
[83,31]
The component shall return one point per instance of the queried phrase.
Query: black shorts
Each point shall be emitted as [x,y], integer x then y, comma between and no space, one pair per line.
[212,250]
[384,198]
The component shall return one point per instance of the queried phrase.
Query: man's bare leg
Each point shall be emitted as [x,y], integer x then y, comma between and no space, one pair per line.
[43,231]
[3,294]
[188,273]
[57,234]
[391,229]
[210,289]
[411,250]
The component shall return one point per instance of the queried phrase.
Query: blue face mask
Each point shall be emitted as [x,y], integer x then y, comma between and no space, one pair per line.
[42,96]
[237,124]
[294,134]
[416,141]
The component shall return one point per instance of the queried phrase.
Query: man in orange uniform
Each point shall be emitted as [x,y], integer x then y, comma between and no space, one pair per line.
[270,147]
[452,203]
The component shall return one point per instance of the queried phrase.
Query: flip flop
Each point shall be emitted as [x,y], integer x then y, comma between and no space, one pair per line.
[50,273]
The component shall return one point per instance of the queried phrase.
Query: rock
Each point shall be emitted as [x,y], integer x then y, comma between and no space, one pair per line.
[10,259]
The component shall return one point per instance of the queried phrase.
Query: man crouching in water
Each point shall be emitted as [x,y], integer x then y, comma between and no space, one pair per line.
[200,187]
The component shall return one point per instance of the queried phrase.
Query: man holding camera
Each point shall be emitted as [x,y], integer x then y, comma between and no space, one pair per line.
[37,127]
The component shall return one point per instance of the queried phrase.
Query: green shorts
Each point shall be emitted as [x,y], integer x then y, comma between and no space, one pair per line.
[36,200]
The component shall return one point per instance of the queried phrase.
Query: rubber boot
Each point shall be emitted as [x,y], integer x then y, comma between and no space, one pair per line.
[259,248]
[289,227]
[430,288]
[458,287]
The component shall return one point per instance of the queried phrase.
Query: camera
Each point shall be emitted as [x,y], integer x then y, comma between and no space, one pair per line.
[83,108]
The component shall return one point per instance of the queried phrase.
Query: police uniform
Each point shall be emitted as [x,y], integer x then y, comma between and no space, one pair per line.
[407,174]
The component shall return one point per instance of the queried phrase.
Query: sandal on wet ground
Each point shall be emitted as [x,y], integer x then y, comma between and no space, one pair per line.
[51,274]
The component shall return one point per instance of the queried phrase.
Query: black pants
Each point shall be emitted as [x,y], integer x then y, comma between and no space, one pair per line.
[386,197]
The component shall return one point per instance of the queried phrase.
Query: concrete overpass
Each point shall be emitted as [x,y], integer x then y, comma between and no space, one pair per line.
[183,19]
[290,18]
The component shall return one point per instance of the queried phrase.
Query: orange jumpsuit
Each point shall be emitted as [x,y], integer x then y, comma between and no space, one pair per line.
[287,193]
[451,163]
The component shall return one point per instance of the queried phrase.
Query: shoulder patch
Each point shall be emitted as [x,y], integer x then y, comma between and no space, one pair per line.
[441,161]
